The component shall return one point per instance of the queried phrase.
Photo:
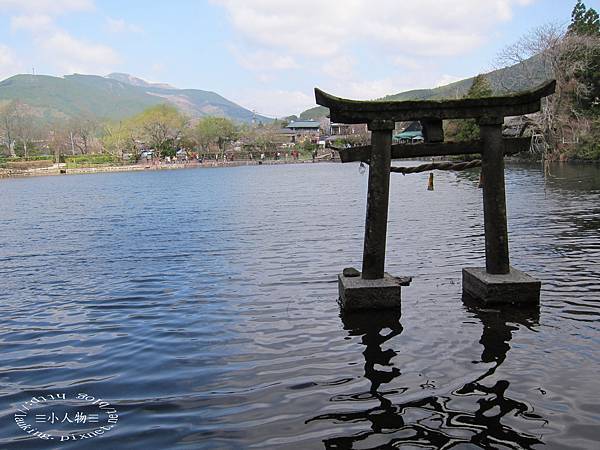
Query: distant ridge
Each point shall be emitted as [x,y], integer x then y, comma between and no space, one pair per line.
[135,81]
[115,97]
[518,77]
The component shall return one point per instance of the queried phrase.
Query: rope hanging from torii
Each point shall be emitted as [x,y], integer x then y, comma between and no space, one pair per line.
[437,166]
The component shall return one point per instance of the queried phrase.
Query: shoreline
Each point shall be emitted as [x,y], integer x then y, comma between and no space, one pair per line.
[59,169]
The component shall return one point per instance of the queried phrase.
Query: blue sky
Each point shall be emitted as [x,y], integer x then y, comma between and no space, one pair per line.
[268,55]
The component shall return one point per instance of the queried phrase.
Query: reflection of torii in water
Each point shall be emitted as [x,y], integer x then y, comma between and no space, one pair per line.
[485,429]
[370,325]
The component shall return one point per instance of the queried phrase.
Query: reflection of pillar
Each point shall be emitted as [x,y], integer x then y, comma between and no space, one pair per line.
[377,199]
[370,325]
[498,326]
[386,416]
[483,423]
[496,403]
[494,198]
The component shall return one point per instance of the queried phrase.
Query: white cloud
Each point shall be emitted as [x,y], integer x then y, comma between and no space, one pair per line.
[157,67]
[301,30]
[33,23]
[340,67]
[379,87]
[56,46]
[53,7]
[282,103]
[6,55]
[75,55]
[366,90]
[408,63]
[9,64]
[321,28]
[121,26]
[334,42]
[262,60]
[275,102]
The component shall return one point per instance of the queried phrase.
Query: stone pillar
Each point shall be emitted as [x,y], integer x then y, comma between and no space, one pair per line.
[377,199]
[494,197]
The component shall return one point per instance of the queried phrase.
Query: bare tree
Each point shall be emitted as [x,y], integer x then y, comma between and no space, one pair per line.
[27,129]
[58,138]
[82,133]
[551,52]
[536,56]
[9,119]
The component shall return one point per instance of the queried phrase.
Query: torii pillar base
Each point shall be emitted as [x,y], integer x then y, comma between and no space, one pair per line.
[515,287]
[356,293]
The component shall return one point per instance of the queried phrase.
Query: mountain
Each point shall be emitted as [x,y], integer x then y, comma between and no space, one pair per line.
[135,81]
[116,96]
[518,77]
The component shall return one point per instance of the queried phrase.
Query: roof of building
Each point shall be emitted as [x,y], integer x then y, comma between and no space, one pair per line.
[414,126]
[408,135]
[303,124]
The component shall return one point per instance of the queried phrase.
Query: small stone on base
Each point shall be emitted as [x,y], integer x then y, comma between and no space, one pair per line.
[513,287]
[359,294]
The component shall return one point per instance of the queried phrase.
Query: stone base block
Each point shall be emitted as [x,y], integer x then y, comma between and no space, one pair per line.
[513,287]
[359,294]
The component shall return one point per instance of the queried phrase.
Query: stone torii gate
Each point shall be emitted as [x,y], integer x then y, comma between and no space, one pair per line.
[498,282]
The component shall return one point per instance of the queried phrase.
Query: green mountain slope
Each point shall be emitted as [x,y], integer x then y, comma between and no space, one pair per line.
[110,98]
[515,78]
[519,77]
[69,96]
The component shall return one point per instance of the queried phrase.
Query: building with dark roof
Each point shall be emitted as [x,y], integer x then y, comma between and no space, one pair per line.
[304,125]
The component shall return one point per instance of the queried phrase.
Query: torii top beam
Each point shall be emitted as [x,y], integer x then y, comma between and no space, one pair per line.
[355,111]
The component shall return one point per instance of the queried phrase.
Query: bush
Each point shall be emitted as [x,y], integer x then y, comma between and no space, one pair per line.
[307,148]
[588,150]
[24,165]
[4,159]
[170,152]
[87,160]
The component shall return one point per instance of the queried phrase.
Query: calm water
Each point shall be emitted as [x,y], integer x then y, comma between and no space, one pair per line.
[202,305]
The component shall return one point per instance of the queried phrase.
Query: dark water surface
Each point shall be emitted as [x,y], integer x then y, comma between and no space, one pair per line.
[202,305]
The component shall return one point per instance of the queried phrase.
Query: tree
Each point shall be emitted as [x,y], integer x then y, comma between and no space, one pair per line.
[58,138]
[159,127]
[10,116]
[544,48]
[480,88]
[537,55]
[26,131]
[468,130]
[585,61]
[571,57]
[82,133]
[584,22]
[264,139]
[215,130]
[117,138]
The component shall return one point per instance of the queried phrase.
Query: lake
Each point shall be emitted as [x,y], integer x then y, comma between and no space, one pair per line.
[201,306]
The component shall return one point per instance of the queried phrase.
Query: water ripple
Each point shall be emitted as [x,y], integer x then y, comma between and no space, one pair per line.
[202,305]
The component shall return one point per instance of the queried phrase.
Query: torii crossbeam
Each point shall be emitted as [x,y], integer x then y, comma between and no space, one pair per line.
[498,282]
